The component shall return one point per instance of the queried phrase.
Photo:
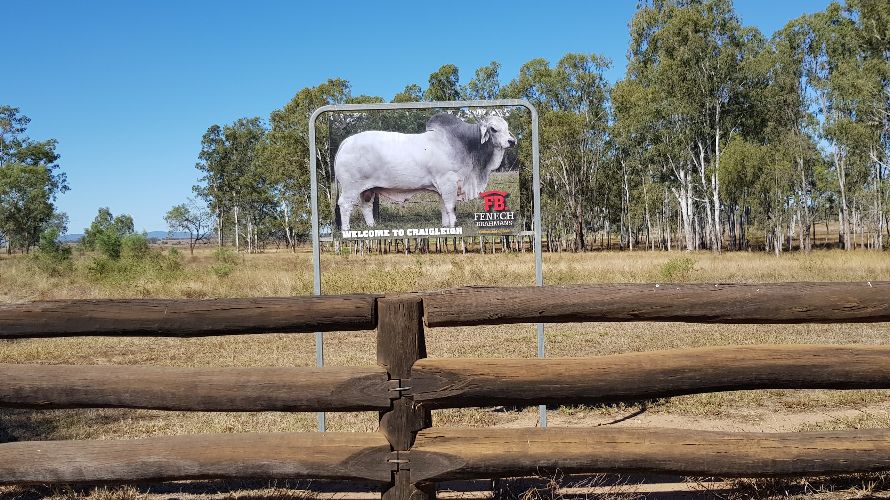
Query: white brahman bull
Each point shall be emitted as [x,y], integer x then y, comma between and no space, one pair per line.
[452,158]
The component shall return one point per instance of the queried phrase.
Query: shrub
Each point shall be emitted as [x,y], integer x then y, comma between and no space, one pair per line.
[226,260]
[678,269]
[49,244]
[171,262]
[222,270]
[100,267]
[135,247]
[52,256]
[109,244]
[137,260]
[225,255]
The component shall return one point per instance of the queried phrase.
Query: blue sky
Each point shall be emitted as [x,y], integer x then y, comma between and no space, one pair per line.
[128,88]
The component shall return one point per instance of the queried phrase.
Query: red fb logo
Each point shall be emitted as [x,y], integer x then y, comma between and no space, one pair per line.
[495,201]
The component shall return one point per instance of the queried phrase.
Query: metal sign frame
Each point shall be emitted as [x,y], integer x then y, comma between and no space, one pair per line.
[536,194]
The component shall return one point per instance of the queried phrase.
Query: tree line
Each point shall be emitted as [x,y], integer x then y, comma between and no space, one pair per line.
[717,137]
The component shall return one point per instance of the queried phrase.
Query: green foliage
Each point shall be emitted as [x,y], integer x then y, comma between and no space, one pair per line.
[137,261]
[25,202]
[572,98]
[125,256]
[191,217]
[106,233]
[444,84]
[101,267]
[52,257]
[222,270]
[224,255]
[29,181]
[50,244]
[176,216]
[411,93]
[486,83]
[234,183]
[716,132]
[259,175]
[226,260]
[135,247]
[678,269]
[109,244]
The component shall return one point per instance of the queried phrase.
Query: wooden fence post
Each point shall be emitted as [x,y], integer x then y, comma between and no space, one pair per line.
[400,342]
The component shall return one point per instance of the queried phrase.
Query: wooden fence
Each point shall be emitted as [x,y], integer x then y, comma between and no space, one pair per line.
[407,457]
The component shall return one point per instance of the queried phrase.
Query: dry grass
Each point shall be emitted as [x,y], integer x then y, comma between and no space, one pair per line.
[284,273]
[191,490]
[870,486]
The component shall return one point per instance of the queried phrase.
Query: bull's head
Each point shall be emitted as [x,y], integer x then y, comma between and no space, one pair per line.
[496,130]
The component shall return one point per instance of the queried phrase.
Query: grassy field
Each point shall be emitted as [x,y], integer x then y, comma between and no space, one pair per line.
[284,273]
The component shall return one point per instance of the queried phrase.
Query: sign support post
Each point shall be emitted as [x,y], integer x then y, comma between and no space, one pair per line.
[316,253]
[539,264]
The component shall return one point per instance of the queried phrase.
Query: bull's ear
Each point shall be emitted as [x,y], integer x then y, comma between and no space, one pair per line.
[485,135]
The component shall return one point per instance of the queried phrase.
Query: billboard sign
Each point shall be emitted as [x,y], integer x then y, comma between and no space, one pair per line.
[450,178]
[423,172]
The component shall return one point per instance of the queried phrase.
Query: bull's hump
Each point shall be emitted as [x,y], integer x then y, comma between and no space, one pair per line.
[442,120]
[463,135]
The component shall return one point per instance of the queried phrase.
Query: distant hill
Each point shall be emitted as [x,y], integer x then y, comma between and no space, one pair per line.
[70,238]
[153,235]
[164,235]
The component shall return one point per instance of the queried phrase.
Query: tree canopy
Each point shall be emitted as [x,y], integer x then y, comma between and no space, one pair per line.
[716,137]
[30,181]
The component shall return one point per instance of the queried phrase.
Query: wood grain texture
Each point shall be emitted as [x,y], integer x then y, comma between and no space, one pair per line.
[309,455]
[402,489]
[202,389]
[445,454]
[400,343]
[400,339]
[699,303]
[455,383]
[187,318]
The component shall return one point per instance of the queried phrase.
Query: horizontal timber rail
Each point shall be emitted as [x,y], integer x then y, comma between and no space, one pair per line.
[188,318]
[770,303]
[446,454]
[201,389]
[450,383]
[407,456]
[310,455]
[453,383]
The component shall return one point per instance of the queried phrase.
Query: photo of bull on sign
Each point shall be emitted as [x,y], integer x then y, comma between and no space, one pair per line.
[451,161]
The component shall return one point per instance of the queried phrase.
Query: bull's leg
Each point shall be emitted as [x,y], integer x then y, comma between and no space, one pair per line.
[345,202]
[452,215]
[448,198]
[366,199]
[448,188]
[446,218]
[368,211]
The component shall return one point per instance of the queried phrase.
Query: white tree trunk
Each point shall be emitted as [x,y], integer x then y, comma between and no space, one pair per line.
[237,231]
[684,199]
